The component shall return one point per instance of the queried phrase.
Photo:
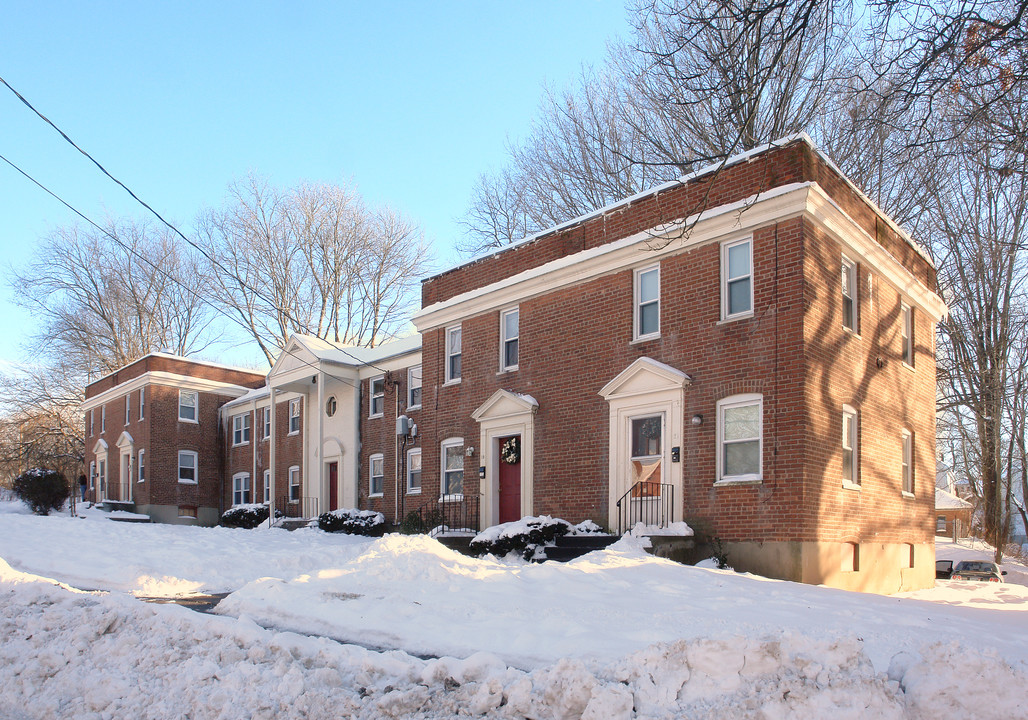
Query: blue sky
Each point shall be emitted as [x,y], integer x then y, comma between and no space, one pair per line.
[411,101]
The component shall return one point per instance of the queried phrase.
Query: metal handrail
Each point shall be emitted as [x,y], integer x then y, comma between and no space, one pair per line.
[305,508]
[445,514]
[654,505]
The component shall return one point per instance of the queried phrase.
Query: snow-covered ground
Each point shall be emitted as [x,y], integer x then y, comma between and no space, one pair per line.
[616,634]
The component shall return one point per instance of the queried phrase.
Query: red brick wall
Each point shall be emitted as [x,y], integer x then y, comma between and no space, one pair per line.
[378,435]
[288,452]
[177,366]
[793,163]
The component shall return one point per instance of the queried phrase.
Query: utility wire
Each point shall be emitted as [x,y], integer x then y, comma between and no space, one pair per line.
[167,275]
[214,261]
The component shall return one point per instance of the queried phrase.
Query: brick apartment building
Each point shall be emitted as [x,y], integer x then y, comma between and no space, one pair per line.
[749,349]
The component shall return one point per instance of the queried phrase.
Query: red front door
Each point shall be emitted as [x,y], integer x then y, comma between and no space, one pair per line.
[333,489]
[510,486]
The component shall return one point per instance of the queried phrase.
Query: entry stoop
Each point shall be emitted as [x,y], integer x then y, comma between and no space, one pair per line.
[570,547]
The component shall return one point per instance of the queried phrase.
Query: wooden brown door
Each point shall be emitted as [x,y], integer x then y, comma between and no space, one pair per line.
[333,486]
[509,487]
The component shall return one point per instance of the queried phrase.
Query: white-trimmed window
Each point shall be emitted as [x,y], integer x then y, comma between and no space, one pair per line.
[940,524]
[142,465]
[241,429]
[509,331]
[849,294]
[414,387]
[91,423]
[103,419]
[376,393]
[267,486]
[294,483]
[453,352]
[187,460]
[267,423]
[92,475]
[850,455]
[740,421]
[331,406]
[187,401]
[142,401]
[907,439]
[452,475]
[128,408]
[241,489]
[737,279]
[376,475]
[907,333]
[647,303]
[294,416]
[101,474]
[414,471]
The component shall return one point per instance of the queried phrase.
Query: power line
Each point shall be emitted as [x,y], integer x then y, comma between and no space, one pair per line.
[214,261]
[171,278]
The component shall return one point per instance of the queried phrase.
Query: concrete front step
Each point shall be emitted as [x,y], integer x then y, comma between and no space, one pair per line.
[571,547]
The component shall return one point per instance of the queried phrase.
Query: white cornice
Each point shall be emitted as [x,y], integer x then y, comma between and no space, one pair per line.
[157,377]
[715,225]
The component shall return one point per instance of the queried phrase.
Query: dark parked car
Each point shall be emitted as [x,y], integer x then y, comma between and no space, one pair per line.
[977,570]
[943,569]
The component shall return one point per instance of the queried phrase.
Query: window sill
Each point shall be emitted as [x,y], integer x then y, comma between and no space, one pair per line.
[294,432]
[413,407]
[908,366]
[504,371]
[458,497]
[414,492]
[140,482]
[242,444]
[735,318]
[451,382]
[375,495]
[376,415]
[645,338]
[730,481]
[906,494]
[187,482]
[187,420]
[846,485]
[851,331]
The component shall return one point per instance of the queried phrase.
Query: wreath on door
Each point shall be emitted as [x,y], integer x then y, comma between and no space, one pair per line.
[510,451]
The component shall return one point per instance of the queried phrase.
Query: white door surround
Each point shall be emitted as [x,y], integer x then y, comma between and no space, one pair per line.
[502,415]
[127,446]
[645,388]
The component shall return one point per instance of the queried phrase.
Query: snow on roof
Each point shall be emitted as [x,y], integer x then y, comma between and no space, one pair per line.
[948,501]
[255,394]
[706,170]
[348,355]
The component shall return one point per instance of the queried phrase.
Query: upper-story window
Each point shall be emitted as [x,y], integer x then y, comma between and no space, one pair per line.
[142,401]
[509,321]
[187,401]
[241,429]
[737,279]
[453,341]
[849,294]
[850,456]
[907,333]
[187,466]
[740,438]
[128,408]
[414,387]
[267,422]
[377,391]
[294,416]
[647,303]
[90,423]
[907,463]
[103,419]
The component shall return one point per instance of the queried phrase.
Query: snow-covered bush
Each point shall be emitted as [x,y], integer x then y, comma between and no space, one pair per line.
[353,522]
[246,517]
[41,489]
[524,536]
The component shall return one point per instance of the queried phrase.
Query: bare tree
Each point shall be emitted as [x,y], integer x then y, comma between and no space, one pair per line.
[699,82]
[312,260]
